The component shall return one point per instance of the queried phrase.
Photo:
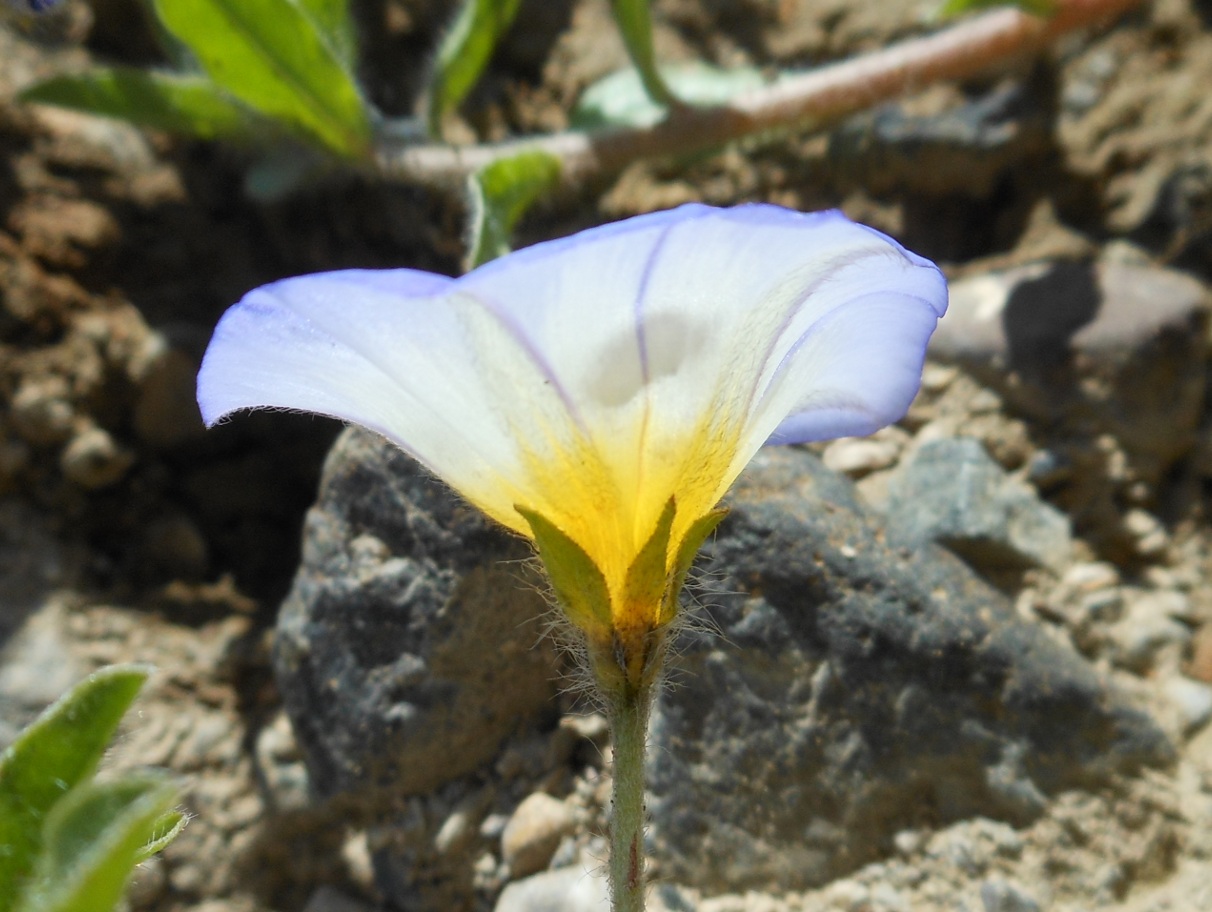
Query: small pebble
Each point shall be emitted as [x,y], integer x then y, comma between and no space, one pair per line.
[1091,576]
[1000,896]
[849,895]
[1192,699]
[858,456]
[42,412]
[94,460]
[534,832]
[458,829]
[937,377]
[575,889]
[907,842]
[1149,534]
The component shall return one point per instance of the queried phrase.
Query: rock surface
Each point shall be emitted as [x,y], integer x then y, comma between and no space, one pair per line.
[853,691]
[1112,344]
[573,889]
[406,650]
[951,491]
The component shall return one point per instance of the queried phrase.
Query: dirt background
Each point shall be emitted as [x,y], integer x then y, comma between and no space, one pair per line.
[129,533]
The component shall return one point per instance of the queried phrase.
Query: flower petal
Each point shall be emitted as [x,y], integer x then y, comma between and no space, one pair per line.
[383,349]
[686,339]
[591,379]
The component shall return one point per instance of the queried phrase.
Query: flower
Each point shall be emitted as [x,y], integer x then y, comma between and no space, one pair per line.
[599,393]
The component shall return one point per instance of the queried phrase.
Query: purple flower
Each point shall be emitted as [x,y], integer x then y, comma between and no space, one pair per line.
[599,393]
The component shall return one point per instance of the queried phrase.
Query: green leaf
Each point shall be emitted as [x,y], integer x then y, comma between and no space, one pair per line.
[693,540]
[952,8]
[620,100]
[635,25]
[579,584]
[334,23]
[647,576]
[271,55]
[178,104]
[93,840]
[464,52]
[163,832]
[500,193]
[55,754]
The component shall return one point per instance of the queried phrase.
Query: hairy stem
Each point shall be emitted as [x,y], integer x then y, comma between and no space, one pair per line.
[809,100]
[629,729]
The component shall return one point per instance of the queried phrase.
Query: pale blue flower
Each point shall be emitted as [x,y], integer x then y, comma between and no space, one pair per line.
[608,382]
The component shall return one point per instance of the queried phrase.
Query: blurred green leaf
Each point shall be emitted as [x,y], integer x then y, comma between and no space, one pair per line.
[93,839]
[464,52]
[55,754]
[167,828]
[336,25]
[953,8]
[179,104]
[635,24]
[500,194]
[271,55]
[620,100]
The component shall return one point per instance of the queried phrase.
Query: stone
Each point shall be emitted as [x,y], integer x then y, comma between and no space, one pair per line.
[37,667]
[965,149]
[1191,700]
[1115,346]
[93,459]
[409,647]
[280,766]
[573,889]
[534,833]
[42,411]
[1002,896]
[952,492]
[857,457]
[863,685]
[1149,633]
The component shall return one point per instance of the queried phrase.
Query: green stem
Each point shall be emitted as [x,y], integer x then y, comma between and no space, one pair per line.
[629,728]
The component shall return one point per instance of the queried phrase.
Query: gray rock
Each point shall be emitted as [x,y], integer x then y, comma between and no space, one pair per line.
[1001,896]
[409,647]
[952,492]
[1114,346]
[964,150]
[573,889]
[853,690]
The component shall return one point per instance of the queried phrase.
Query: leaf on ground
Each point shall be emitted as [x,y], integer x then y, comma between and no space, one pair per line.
[50,758]
[179,104]
[500,195]
[271,55]
[620,100]
[464,52]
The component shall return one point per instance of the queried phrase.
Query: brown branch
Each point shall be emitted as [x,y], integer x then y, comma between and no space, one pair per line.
[809,100]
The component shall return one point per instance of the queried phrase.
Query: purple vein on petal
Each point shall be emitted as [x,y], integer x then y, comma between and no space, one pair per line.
[526,345]
[848,258]
[641,298]
[855,403]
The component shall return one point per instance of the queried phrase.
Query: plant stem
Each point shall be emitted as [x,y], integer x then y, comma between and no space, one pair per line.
[807,100]
[628,713]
